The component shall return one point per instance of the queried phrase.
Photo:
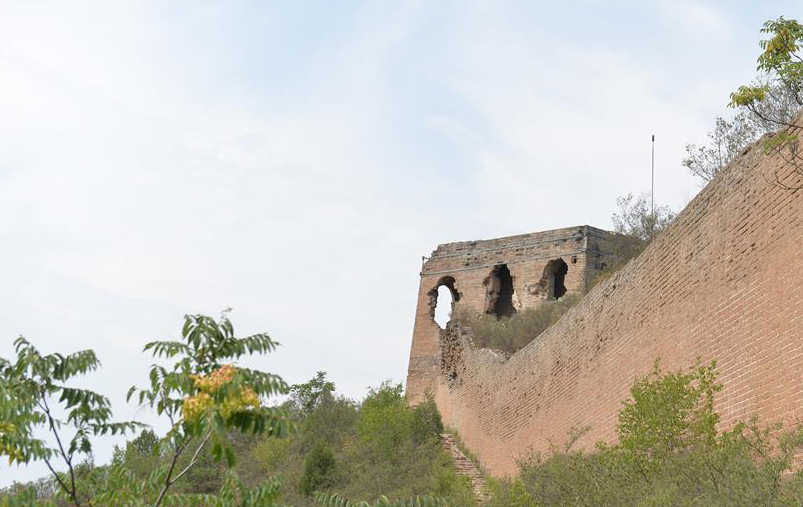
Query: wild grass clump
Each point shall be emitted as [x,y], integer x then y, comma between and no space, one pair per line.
[513,333]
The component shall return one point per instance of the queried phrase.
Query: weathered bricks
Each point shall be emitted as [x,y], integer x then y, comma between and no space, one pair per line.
[724,282]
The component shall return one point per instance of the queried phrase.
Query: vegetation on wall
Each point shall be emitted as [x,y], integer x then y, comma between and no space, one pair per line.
[636,224]
[513,333]
[381,452]
[227,445]
[669,453]
[764,107]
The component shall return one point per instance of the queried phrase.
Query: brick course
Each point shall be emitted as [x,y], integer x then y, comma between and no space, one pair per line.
[724,282]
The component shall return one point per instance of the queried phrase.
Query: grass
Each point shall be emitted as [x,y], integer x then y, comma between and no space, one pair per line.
[510,334]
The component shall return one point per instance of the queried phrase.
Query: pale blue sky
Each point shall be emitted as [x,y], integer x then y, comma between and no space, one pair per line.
[294,160]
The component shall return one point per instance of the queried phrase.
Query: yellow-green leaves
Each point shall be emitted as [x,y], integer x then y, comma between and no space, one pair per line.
[780,61]
[748,95]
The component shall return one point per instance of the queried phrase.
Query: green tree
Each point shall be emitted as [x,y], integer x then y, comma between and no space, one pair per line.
[204,396]
[32,391]
[782,65]
[427,424]
[319,470]
[636,217]
[140,455]
[307,396]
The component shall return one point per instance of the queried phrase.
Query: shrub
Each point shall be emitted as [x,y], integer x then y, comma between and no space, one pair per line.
[427,423]
[513,333]
[669,454]
[319,470]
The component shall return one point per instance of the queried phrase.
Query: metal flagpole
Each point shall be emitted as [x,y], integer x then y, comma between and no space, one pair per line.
[652,179]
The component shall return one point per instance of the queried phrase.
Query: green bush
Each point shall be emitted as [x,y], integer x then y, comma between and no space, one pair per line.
[427,423]
[319,470]
[513,333]
[362,451]
[669,453]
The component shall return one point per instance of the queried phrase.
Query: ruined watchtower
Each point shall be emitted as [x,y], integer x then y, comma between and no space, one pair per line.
[499,277]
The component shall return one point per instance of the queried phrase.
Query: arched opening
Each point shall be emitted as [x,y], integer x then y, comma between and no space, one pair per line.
[500,292]
[443,306]
[554,278]
[442,301]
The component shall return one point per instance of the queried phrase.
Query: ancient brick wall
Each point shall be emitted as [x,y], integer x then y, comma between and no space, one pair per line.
[724,282]
[467,268]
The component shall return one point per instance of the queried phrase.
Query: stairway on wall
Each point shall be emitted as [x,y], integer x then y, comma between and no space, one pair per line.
[466,467]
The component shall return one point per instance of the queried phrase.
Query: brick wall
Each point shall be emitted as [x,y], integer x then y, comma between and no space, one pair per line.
[724,282]
[468,265]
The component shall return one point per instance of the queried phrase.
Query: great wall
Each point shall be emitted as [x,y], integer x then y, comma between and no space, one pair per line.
[723,282]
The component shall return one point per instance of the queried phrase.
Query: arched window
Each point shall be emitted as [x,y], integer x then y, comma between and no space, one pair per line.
[554,278]
[500,292]
[442,300]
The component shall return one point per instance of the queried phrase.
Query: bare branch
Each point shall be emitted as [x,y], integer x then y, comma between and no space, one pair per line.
[194,457]
[67,459]
[168,482]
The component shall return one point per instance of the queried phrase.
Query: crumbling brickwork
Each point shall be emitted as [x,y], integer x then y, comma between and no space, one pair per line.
[498,276]
[724,282]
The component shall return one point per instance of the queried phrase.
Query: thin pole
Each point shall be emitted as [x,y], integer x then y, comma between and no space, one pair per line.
[652,179]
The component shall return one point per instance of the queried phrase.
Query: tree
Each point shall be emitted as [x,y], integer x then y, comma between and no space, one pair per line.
[319,470]
[203,394]
[311,394]
[33,391]
[726,141]
[426,423]
[771,102]
[782,65]
[637,219]
[731,137]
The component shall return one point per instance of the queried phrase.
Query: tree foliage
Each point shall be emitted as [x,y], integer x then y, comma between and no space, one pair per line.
[377,450]
[764,107]
[203,394]
[309,395]
[636,217]
[33,391]
[319,470]
[379,446]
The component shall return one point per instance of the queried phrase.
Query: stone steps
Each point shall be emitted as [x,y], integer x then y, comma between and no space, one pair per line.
[466,468]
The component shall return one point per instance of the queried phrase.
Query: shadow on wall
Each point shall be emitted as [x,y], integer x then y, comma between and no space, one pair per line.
[500,292]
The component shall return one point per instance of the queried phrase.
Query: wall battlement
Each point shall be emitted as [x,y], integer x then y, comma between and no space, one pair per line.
[724,282]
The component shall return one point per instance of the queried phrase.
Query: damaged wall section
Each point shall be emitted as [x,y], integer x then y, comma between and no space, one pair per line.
[707,287]
[500,277]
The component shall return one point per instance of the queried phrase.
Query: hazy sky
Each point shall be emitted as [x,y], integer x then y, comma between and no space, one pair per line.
[294,160]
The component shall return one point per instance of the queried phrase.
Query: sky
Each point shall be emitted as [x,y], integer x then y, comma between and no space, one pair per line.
[294,160]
